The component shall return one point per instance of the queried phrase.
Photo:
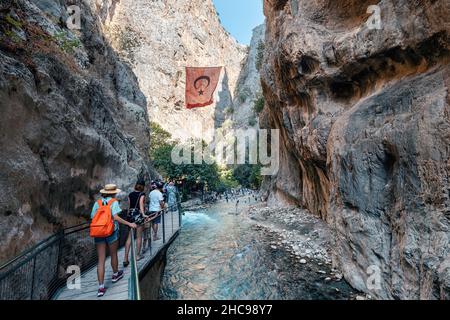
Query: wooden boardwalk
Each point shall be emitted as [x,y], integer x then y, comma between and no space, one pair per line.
[120,290]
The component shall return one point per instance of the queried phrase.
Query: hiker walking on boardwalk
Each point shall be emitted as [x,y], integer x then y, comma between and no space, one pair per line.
[136,212]
[172,194]
[155,207]
[105,231]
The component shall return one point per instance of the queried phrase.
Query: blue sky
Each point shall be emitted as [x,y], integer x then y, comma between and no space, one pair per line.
[239,17]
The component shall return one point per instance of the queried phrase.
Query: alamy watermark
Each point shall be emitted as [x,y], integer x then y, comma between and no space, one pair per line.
[373,281]
[374,21]
[73,22]
[74,280]
[250,146]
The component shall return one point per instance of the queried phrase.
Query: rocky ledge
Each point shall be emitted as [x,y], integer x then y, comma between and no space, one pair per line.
[305,238]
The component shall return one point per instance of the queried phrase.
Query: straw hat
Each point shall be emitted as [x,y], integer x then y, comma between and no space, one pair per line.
[110,189]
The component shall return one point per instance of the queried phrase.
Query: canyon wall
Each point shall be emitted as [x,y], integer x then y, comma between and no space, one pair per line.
[248,88]
[73,119]
[365,128]
[160,38]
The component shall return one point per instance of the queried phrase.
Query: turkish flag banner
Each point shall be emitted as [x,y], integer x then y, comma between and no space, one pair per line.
[201,83]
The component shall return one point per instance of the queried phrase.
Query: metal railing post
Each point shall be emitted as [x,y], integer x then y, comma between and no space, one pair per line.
[134,279]
[171,218]
[164,227]
[32,278]
[150,239]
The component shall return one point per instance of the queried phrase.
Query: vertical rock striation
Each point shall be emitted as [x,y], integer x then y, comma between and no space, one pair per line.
[73,119]
[248,87]
[365,128]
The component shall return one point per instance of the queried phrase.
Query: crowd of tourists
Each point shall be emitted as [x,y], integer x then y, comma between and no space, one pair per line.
[143,215]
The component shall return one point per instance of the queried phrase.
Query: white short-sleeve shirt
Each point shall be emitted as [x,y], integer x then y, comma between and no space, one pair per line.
[155,197]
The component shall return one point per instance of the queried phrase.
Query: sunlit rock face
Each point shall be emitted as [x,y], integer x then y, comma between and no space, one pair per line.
[249,84]
[73,118]
[365,128]
[160,38]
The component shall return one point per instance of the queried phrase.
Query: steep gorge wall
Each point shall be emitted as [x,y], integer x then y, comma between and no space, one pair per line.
[365,128]
[73,119]
[248,88]
[160,38]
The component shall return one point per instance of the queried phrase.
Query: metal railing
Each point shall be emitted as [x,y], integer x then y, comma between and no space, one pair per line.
[37,273]
[133,283]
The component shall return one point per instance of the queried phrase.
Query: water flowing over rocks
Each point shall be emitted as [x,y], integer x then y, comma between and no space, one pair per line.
[365,128]
[73,119]
[160,38]
[223,255]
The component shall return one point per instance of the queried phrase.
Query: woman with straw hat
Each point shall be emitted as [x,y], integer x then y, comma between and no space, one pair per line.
[108,194]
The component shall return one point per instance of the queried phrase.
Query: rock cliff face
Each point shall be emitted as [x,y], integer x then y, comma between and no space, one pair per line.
[160,38]
[365,128]
[73,119]
[248,87]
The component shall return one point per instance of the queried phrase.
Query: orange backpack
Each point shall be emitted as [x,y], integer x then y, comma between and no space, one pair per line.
[102,225]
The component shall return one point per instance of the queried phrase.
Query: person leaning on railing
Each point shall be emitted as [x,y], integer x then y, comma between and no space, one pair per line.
[136,211]
[108,194]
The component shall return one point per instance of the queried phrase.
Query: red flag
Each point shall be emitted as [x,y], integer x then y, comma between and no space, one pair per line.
[201,83]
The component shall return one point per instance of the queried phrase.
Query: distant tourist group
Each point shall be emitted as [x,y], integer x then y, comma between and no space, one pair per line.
[106,215]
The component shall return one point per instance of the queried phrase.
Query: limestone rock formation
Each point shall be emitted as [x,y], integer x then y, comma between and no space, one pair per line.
[365,128]
[248,88]
[73,119]
[160,38]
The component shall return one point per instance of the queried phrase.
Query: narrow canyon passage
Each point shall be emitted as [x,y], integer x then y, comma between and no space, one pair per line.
[221,255]
[355,95]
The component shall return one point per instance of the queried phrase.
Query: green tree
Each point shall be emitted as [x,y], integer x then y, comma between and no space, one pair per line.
[260,55]
[194,176]
[248,175]
[258,104]
[158,137]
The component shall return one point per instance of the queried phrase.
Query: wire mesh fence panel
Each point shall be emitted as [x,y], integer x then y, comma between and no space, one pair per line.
[40,271]
[45,268]
[17,285]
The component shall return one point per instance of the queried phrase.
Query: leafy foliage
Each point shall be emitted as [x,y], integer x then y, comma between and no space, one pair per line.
[244,94]
[229,110]
[248,175]
[16,24]
[258,104]
[194,176]
[67,44]
[260,55]
[198,176]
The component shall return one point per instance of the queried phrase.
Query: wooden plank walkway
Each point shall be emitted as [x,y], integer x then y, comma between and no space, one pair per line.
[120,290]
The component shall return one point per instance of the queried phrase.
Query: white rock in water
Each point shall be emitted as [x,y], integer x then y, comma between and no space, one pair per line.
[273,247]
[360,298]
[327,279]
[303,261]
